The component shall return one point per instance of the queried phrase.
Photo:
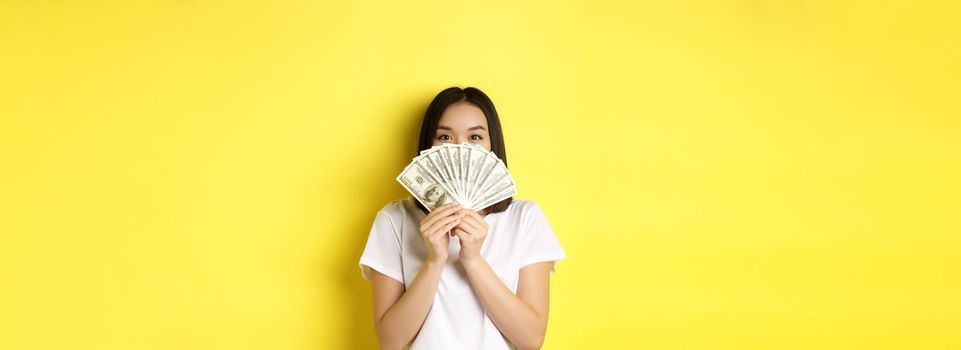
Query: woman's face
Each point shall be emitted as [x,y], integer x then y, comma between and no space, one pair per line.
[463,122]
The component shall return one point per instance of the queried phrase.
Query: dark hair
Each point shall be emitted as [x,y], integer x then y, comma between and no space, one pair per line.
[477,98]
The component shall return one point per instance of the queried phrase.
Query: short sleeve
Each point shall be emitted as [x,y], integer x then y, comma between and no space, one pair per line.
[538,238]
[382,252]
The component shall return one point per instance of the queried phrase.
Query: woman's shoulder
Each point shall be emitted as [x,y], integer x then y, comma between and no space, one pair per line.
[522,207]
[399,207]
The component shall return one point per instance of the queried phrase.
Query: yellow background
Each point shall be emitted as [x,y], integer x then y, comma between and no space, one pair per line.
[722,174]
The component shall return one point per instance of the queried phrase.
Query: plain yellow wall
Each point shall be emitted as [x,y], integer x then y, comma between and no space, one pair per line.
[722,174]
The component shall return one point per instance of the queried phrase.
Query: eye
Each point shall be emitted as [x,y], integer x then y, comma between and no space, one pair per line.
[443,137]
[476,137]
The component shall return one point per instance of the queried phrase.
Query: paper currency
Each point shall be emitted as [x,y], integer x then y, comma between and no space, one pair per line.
[466,174]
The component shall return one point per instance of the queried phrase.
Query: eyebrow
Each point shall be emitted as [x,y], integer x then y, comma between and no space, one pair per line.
[444,127]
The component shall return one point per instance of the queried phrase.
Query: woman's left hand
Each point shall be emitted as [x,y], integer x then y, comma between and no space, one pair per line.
[471,231]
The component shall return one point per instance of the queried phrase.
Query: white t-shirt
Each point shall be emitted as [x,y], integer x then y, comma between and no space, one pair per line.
[517,237]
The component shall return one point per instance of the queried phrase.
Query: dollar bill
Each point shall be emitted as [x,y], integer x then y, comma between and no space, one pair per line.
[424,186]
[464,173]
[442,170]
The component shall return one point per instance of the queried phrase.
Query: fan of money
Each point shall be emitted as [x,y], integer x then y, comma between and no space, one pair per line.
[466,174]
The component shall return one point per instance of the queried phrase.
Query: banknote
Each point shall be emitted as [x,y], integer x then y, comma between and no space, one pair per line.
[425,186]
[466,174]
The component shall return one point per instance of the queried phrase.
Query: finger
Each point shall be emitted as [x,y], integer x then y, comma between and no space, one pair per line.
[460,233]
[470,224]
[442,223]
[441,230]
[442,208]
[441,235]
[442,211]
[447,230]
[450,221]
[437,214]
[475,215]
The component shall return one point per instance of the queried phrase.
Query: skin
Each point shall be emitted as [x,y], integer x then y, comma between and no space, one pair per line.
[399,313]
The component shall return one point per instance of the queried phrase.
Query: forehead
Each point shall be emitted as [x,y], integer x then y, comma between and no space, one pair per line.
[463,115]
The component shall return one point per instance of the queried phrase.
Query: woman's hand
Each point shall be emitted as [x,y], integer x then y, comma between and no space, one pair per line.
[472,230]
[434,230]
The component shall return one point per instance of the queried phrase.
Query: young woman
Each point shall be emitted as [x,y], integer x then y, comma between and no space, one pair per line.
[486,287]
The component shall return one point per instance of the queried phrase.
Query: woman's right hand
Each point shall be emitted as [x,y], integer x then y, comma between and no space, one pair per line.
[434,230]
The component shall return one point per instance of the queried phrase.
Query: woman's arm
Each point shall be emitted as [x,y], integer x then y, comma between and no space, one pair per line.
[522,317]
[399,314]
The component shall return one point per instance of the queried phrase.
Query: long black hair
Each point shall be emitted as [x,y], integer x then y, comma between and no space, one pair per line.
[479,99]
